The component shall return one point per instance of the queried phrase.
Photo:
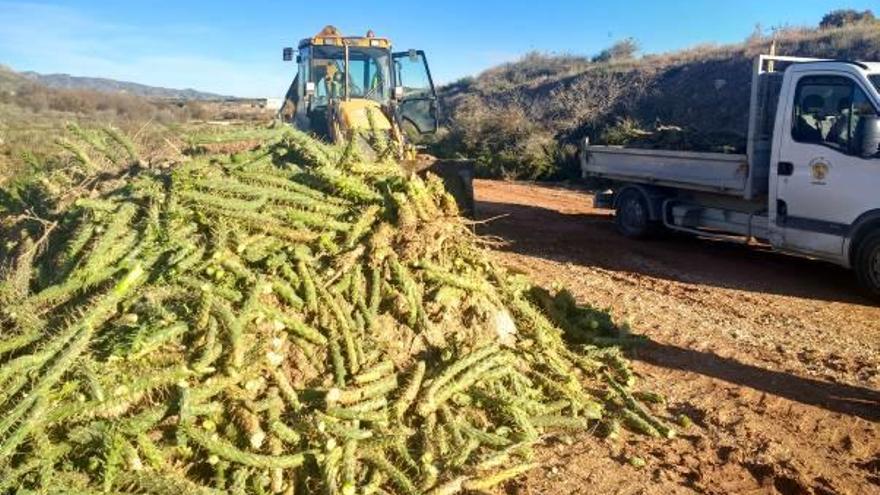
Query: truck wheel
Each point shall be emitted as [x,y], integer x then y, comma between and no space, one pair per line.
[632,217]
[867,264]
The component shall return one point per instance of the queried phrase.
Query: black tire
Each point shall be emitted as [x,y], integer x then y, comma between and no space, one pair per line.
[867,264]
[632,218]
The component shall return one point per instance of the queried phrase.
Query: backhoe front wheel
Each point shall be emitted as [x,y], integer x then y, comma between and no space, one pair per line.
[632,217]
[867,264]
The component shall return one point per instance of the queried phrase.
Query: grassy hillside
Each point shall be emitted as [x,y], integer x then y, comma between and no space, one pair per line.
[9,79]
[520,119]
[33,116]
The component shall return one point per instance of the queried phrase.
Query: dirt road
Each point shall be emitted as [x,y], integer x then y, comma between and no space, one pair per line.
[776,359]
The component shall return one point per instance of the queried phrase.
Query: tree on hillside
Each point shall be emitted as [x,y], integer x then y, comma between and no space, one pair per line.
[845,17]
[625,49]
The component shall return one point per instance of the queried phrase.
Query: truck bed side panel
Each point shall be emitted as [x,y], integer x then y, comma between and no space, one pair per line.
[712,172]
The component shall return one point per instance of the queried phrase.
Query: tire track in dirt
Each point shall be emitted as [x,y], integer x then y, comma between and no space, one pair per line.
[775,358]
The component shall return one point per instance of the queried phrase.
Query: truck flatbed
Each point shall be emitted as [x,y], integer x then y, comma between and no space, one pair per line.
[711,172]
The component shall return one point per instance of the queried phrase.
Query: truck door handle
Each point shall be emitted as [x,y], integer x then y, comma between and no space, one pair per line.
[785,168]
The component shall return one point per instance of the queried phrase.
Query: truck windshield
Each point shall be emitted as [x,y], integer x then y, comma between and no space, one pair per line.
[875,79]
[368,73]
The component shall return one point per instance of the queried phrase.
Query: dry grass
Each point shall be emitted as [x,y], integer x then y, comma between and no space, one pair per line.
[33,117]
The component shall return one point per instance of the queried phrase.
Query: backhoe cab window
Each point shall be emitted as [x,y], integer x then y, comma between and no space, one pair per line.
[828,110]
[417,107]
[367,76]
[412,75]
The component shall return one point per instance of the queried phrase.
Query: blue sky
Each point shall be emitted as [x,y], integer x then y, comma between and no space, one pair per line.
[235,47]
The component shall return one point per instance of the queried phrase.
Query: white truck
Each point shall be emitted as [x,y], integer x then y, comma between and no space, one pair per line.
[809,183]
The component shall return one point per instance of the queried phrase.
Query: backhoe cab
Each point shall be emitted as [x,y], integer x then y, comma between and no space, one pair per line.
[350,83]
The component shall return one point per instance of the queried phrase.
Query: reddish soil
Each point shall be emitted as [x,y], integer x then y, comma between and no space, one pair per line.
[775,358]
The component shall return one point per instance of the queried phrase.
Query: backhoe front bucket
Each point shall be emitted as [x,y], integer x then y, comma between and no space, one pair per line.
[458,177]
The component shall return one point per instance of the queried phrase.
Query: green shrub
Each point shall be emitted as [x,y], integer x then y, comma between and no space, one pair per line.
[503,141]
[846,17]
[625,49]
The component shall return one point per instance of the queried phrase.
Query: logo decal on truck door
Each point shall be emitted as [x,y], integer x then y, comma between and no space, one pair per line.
[819,168]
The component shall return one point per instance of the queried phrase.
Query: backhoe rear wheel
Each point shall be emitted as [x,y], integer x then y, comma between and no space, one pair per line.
[867,264]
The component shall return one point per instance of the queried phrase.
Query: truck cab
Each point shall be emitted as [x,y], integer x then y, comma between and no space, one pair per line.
[807,185]
[825,167]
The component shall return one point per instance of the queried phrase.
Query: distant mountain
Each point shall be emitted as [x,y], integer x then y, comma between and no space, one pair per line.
[66,81]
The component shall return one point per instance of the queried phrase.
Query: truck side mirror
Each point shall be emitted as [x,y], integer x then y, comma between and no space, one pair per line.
[868,132]
[287,54]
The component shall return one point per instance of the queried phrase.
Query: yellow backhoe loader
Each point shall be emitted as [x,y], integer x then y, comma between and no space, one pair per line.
[348,84]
